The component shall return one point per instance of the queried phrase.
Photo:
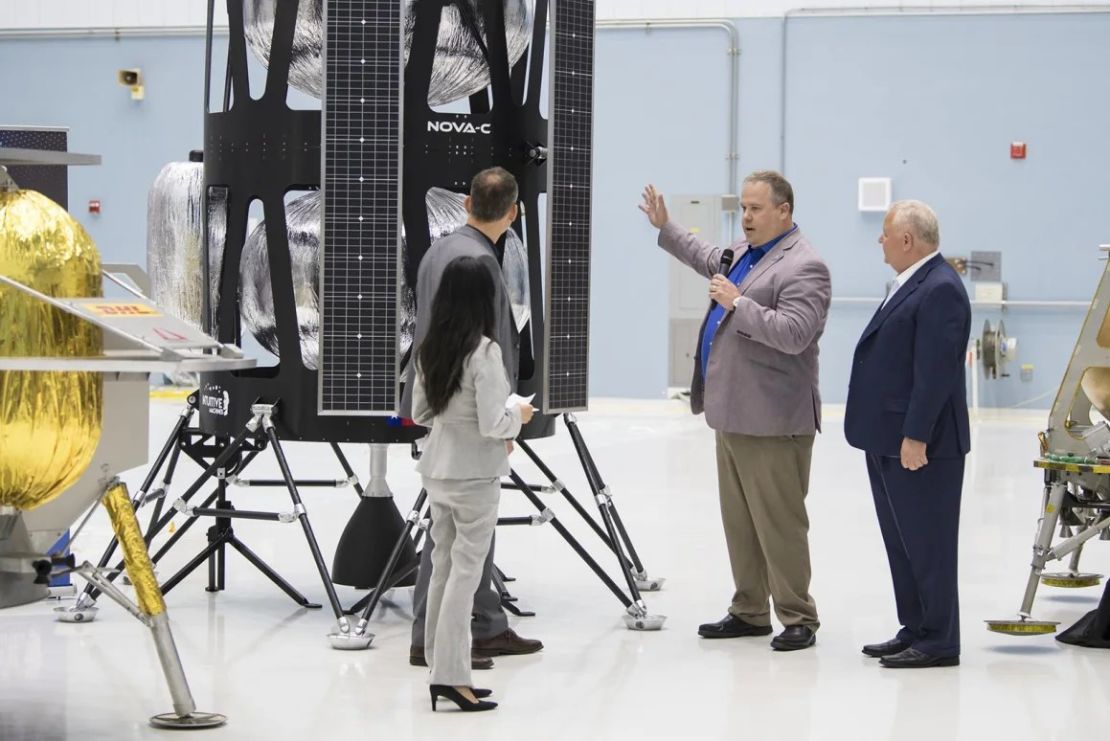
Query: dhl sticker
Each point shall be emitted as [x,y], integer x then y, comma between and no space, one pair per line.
[119,309]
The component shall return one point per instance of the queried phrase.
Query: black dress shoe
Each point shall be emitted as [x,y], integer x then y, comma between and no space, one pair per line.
[889,648]
[794,637]
[732,627]
[911,658]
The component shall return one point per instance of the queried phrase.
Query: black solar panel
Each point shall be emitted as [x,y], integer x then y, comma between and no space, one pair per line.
[52,182]
[569,191]
[361,189]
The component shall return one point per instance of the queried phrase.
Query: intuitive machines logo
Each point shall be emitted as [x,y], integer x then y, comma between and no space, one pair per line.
[215,399]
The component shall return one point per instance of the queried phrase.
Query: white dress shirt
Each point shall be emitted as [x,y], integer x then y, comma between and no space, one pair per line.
[904,277]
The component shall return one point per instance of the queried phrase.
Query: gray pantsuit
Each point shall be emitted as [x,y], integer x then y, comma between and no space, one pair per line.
[463,462]
[489,618]
[464,515]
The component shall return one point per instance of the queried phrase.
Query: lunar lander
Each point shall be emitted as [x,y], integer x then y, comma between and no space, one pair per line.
[1075,457]
[74,404]
[414,99]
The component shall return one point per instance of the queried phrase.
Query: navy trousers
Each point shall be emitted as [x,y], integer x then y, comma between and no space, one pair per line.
[919,514]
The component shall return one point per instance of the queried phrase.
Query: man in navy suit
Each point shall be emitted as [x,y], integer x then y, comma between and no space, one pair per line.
[907,410]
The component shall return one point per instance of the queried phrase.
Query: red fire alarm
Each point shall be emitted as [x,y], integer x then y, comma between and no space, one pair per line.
[94,207]
[1017,150]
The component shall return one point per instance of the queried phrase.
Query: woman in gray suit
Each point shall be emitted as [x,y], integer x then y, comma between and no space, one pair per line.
[460,393]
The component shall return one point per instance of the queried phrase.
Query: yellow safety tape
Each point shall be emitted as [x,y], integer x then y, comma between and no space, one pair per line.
[170,393]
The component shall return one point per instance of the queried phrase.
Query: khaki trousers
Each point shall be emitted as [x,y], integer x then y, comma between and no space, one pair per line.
[763,483]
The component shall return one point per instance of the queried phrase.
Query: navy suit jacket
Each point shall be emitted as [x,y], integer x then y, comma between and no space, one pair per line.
[908,369]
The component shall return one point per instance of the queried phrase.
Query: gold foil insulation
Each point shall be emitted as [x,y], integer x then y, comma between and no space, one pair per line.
[49,420]
[135,556]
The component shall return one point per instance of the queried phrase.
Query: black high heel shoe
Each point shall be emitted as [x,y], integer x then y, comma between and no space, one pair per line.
[442,690]
[480,693]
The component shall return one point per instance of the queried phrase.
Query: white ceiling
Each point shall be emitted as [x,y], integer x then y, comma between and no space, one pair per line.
[75,14]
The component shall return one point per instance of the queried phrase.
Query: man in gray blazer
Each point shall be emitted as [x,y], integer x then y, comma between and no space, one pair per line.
[755,376]
[492,208]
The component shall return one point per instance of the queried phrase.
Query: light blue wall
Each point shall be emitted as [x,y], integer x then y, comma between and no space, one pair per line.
[932,102]
[661,117]
[72,82]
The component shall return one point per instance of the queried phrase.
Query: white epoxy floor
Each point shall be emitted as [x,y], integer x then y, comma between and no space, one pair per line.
[252,654]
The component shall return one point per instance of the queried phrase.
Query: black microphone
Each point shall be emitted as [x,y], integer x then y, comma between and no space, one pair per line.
[726,265]
[726,262]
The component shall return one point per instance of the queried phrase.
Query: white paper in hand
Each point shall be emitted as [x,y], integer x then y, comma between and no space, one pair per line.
[516,399]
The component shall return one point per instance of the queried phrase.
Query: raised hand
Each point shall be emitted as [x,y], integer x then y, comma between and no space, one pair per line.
[654,207]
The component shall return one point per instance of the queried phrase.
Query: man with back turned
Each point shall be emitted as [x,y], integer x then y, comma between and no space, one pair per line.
[491,208]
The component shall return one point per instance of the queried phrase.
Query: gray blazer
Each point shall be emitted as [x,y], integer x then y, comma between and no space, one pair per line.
[762,371]
[468,437]
[466,241]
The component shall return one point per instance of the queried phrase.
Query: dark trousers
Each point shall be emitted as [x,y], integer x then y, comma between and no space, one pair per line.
[919,514]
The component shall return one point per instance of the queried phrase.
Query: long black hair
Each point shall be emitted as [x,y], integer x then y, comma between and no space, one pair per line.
[462,313]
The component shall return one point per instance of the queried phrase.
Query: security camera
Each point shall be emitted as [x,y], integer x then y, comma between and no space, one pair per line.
[131,78]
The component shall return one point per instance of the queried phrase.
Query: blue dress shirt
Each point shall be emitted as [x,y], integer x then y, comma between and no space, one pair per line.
[737,274]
